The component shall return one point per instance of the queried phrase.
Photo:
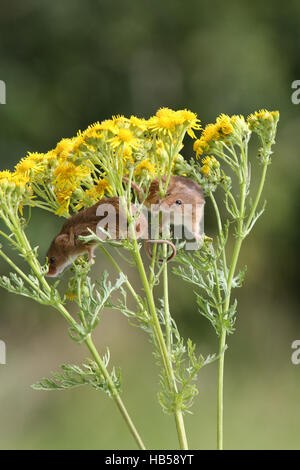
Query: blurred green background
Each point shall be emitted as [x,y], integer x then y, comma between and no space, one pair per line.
[67,64]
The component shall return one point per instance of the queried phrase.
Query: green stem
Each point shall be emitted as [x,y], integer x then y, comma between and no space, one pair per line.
[19,271]
[166,302]
[220,230]
[161,345]
[222,341]
[220,390]
[259,192]
[178,413]
[114,392]
[181,430]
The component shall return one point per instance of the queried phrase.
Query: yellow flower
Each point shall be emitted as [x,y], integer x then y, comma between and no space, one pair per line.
[124,137]
[24,166]
[36,157]
[102,186]
[223,125]
[210,161]
[211,132]
[159,147]
[263,114]
[127,156]
[263,121]
[63,198]
[5,175]
[67,172]
[163,122]
[120,120]
[145,167]
[186,116]
[205,169]
[71,296]
[200,146]
[140,124]
[51,155]
[214,162]
[64,148]
[97,192]
[94,131]
[77,142]
[206,160]
[166,121]
[20,180]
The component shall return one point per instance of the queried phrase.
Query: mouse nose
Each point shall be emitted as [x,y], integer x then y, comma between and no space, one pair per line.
[51,272]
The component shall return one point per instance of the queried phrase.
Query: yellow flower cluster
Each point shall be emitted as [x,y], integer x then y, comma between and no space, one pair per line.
[263,121]
[209,165]
[81,170]
[145,166]
[166,122]
[223,127]
[13,179]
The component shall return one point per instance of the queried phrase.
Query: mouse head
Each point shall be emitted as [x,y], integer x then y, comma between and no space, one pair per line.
[182,193]
[58,255]
[183,204]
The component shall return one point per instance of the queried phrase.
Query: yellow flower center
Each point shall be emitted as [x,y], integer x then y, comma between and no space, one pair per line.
[125,135]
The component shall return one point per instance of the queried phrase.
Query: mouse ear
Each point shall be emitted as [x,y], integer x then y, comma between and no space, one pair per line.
[62,239]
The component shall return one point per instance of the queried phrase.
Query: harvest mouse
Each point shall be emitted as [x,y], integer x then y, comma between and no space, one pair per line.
[66,246]
[183,204]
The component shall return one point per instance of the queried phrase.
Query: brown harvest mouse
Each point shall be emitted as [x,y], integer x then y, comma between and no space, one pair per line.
[66,246]
[183,204]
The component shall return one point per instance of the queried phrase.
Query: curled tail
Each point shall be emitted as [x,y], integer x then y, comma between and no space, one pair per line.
[161,242]
[134,186]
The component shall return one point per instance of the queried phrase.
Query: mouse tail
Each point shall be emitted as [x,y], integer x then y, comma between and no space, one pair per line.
[160,242]
[140,193]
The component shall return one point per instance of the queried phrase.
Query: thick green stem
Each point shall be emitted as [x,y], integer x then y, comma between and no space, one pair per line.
[166,302]
[220,390]
[159,337]
[181,430]
[178,414]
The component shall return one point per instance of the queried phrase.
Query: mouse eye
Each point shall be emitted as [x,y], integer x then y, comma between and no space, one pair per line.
[52,260]
[178,202]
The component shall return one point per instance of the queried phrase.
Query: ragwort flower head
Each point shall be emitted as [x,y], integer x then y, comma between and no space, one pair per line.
[225,130]
[167,122]
[145,168]
[263,123]
[124,137]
